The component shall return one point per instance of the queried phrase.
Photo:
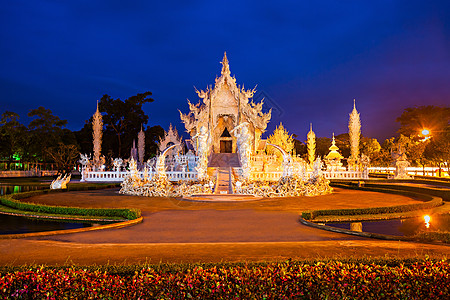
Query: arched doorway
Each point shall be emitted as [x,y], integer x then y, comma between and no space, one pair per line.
[226,142]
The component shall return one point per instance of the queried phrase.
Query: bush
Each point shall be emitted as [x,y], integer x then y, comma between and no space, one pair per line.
[311,214]
[286,280]
[12,202]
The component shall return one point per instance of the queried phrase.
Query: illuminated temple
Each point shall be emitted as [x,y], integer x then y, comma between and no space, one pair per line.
[221,109]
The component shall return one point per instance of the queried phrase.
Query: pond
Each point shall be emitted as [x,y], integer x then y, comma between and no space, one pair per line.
[14,225]
[14,189]
[399,227]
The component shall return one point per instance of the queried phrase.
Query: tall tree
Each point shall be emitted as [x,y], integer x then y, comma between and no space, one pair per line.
[152,136]
[437,150]
[123,119]
[12,136]
[414,119]
[45,131]
[64,156]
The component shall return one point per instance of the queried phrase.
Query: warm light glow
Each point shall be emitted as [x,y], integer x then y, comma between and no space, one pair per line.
[427,219]
[425,132]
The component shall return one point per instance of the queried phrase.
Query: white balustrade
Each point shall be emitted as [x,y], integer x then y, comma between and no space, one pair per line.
[111,176]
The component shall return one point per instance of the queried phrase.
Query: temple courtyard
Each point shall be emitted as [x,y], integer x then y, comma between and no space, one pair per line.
[179,230]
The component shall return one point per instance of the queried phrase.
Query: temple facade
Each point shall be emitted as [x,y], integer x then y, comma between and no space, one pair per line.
[221,109]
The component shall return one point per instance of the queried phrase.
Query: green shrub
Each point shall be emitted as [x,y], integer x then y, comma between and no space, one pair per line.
[12,201]
[311,214]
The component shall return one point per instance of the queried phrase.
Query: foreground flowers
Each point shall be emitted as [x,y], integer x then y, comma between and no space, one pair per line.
[333,280]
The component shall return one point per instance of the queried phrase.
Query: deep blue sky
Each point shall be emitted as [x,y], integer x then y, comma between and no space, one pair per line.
[308,58]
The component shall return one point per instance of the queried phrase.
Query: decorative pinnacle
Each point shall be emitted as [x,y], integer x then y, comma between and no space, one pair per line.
[225,65]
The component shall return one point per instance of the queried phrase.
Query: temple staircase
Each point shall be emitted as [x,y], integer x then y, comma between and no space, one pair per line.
[223,162]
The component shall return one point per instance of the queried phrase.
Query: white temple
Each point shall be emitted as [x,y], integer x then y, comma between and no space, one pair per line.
[221,109]
[225,129]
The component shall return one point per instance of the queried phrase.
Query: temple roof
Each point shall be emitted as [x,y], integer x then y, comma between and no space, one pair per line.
[242,98]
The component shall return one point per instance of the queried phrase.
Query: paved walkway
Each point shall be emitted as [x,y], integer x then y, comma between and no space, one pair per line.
[175,230]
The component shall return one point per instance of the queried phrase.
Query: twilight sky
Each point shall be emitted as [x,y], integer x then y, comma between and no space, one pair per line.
[309,59]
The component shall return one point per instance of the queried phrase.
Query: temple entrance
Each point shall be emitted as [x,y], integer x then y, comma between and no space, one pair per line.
[226,146]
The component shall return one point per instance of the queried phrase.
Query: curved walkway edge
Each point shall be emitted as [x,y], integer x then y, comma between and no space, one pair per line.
[77,230]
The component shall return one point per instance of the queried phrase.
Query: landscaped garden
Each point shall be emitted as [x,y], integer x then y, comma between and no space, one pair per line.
[352,278]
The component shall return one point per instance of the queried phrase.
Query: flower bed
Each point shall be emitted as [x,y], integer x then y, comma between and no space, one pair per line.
[287,280]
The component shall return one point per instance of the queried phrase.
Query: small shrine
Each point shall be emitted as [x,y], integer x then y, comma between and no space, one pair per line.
[333,158]
[170,138]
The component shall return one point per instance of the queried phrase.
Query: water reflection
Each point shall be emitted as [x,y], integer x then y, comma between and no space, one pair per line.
[14,225]
[14,189]
[399,227]
[427,219]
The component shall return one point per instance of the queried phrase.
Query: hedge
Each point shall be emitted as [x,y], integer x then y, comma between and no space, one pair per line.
[282,280]
[311,214]
[12,201]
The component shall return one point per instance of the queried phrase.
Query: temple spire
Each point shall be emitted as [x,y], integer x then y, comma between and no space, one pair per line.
[225,65]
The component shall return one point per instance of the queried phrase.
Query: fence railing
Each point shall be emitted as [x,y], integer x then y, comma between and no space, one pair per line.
[112,176]
[274,176]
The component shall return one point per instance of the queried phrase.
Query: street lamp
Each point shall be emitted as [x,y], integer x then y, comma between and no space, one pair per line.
[426,134]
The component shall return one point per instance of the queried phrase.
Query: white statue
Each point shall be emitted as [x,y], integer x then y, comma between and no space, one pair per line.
[60,183]
[133,167]
[202,152]
[317,168]
[117,163]
[84,161]
[161,162]
[244,147]
[288,166]
[401,163]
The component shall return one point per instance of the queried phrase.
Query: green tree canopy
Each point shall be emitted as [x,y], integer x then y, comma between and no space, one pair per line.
[122,121]
[13,136]
[45,131]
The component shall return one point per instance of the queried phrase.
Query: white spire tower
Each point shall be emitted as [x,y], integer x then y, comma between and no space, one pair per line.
[354,133]
[141,146]
[97,127]
[311,145]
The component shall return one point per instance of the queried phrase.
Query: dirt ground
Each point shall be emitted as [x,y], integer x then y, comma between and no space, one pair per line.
[175,230]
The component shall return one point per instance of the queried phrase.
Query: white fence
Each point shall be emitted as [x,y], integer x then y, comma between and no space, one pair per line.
[274,176]
[427,171]
[112,176]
